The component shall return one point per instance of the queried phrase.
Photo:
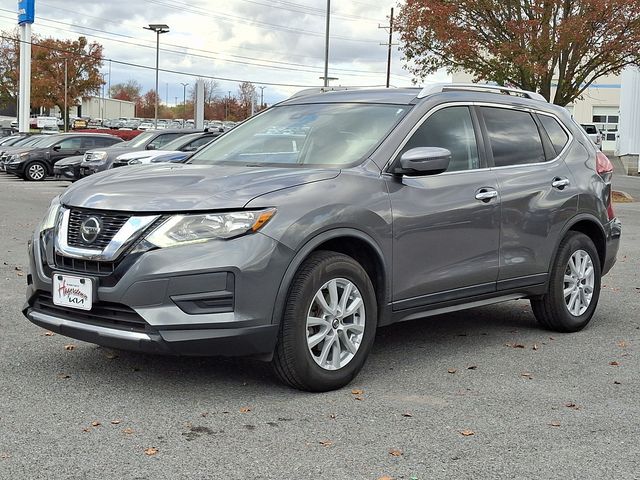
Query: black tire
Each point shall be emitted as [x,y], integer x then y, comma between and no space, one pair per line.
[550,309]
[33,170]
[293,362]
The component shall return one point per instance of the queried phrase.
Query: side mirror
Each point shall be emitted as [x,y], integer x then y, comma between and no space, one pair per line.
[423,161]
[56,148]
[151,147]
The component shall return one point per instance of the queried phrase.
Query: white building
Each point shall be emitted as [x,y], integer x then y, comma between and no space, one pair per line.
[99,107]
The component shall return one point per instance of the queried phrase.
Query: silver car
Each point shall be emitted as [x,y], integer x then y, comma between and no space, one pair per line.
[294,236]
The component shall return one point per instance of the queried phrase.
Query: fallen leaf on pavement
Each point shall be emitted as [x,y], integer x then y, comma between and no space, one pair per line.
[326,443]
[394,452]
[332,416]
[535,346]
[616,382]
[614,364]
[115,422]
[452,370]
[204,414]
[572,405]
[623,344]
[70,347]
[49,334]
[555,424]
[467,433]
[128,431]
[62,376]
[386,477]
[472,367]
[407,414]
[526,375]
[357,391]
[514,345]
[95,423]
[111,355]
[245,410]
[358,398]
[150,451]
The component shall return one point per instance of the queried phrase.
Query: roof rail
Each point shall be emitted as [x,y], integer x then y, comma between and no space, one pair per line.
[316,90]
[479,87]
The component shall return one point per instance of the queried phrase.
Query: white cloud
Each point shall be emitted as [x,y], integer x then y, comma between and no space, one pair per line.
[267,42]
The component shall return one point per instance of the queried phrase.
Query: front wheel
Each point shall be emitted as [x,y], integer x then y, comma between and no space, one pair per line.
[329,324]
[574,286]
[35,171]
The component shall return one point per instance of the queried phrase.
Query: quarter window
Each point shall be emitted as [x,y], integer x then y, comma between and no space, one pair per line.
[70,143]
[557,135]
[513,136]
[449,128]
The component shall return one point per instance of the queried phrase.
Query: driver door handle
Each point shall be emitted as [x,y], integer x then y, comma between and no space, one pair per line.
[560,183]
[486,194]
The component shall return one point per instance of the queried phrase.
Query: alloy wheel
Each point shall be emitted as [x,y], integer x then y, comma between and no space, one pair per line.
[579,279]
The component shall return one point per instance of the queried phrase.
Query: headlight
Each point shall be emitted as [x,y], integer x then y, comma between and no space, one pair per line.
[95,156]
[49,220]
[18,157]
[186,229]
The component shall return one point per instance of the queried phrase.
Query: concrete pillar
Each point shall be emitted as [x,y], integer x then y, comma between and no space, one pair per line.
[628,146]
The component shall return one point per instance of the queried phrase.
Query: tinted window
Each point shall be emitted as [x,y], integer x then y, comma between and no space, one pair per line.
[70,143]
[513,137]
[558,136]
[449,128]
[198,143]
[162,140]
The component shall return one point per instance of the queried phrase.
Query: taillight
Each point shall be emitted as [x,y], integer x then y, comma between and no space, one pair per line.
[603,164]
[604,167]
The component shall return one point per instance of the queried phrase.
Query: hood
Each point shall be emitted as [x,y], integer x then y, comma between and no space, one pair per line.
[183,188]
[18,150]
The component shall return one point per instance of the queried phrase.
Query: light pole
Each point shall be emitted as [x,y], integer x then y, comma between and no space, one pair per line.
[262,97]
[158,28]
[184,103]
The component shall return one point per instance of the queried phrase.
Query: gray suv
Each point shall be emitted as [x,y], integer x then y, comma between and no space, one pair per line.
[295,235]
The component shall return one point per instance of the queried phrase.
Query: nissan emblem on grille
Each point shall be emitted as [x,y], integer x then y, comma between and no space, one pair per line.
[90,229]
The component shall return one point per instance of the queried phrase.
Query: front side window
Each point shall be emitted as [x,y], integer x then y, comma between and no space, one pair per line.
[449,128]
[70,144]
[331,134]
[513,136]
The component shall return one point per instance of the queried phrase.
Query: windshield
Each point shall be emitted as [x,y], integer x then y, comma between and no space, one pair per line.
[317,134]
[141,140]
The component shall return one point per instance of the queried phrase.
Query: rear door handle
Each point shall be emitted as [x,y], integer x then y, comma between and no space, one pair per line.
[560,183]
[486,194]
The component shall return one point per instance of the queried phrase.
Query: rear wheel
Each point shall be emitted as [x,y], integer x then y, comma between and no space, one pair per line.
[328,325]
[35,171]
[574,286]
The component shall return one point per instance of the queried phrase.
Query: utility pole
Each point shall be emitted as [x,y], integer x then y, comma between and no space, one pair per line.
[66,117]
[26,16]
[326,46]
[262,97]
[390,28]
[109,89]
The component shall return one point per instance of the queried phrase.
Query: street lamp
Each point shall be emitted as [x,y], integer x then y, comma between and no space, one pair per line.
[158,28]
[184,103]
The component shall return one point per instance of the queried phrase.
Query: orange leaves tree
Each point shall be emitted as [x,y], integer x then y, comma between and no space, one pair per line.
[556,47]
[48,55]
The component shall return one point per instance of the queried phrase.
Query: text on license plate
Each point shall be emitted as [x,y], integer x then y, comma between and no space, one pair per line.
[74,292]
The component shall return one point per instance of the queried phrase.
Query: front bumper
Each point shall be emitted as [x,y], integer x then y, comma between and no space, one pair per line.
[613,231]
[14,168]
[67,172]
[215,298]
[94,166]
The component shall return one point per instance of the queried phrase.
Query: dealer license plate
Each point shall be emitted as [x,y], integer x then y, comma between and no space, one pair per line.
[74,292]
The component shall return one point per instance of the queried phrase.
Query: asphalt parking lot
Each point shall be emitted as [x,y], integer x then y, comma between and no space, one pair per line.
[483,393]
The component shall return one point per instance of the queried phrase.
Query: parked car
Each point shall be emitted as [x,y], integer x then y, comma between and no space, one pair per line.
[593,133]
[36,162]
[185,143]
[24,140]
[68,168]
[398,204]
[102,159]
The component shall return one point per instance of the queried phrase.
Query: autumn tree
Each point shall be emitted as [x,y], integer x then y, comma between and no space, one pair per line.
[145,106]
[9,68]
[246,97]
[530,44]
[129,91]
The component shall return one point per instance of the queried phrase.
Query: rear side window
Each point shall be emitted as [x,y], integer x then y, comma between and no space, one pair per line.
[557,135]
[513,136]
[162,140]
[449,128]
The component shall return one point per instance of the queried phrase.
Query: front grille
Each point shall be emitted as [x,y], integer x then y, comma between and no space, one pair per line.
[85,266]
[102,314]
[111,224]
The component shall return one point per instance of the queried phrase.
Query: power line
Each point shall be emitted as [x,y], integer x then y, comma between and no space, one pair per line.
[176,72]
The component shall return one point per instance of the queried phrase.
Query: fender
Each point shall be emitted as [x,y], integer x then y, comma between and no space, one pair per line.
[310,246]
[578,218]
